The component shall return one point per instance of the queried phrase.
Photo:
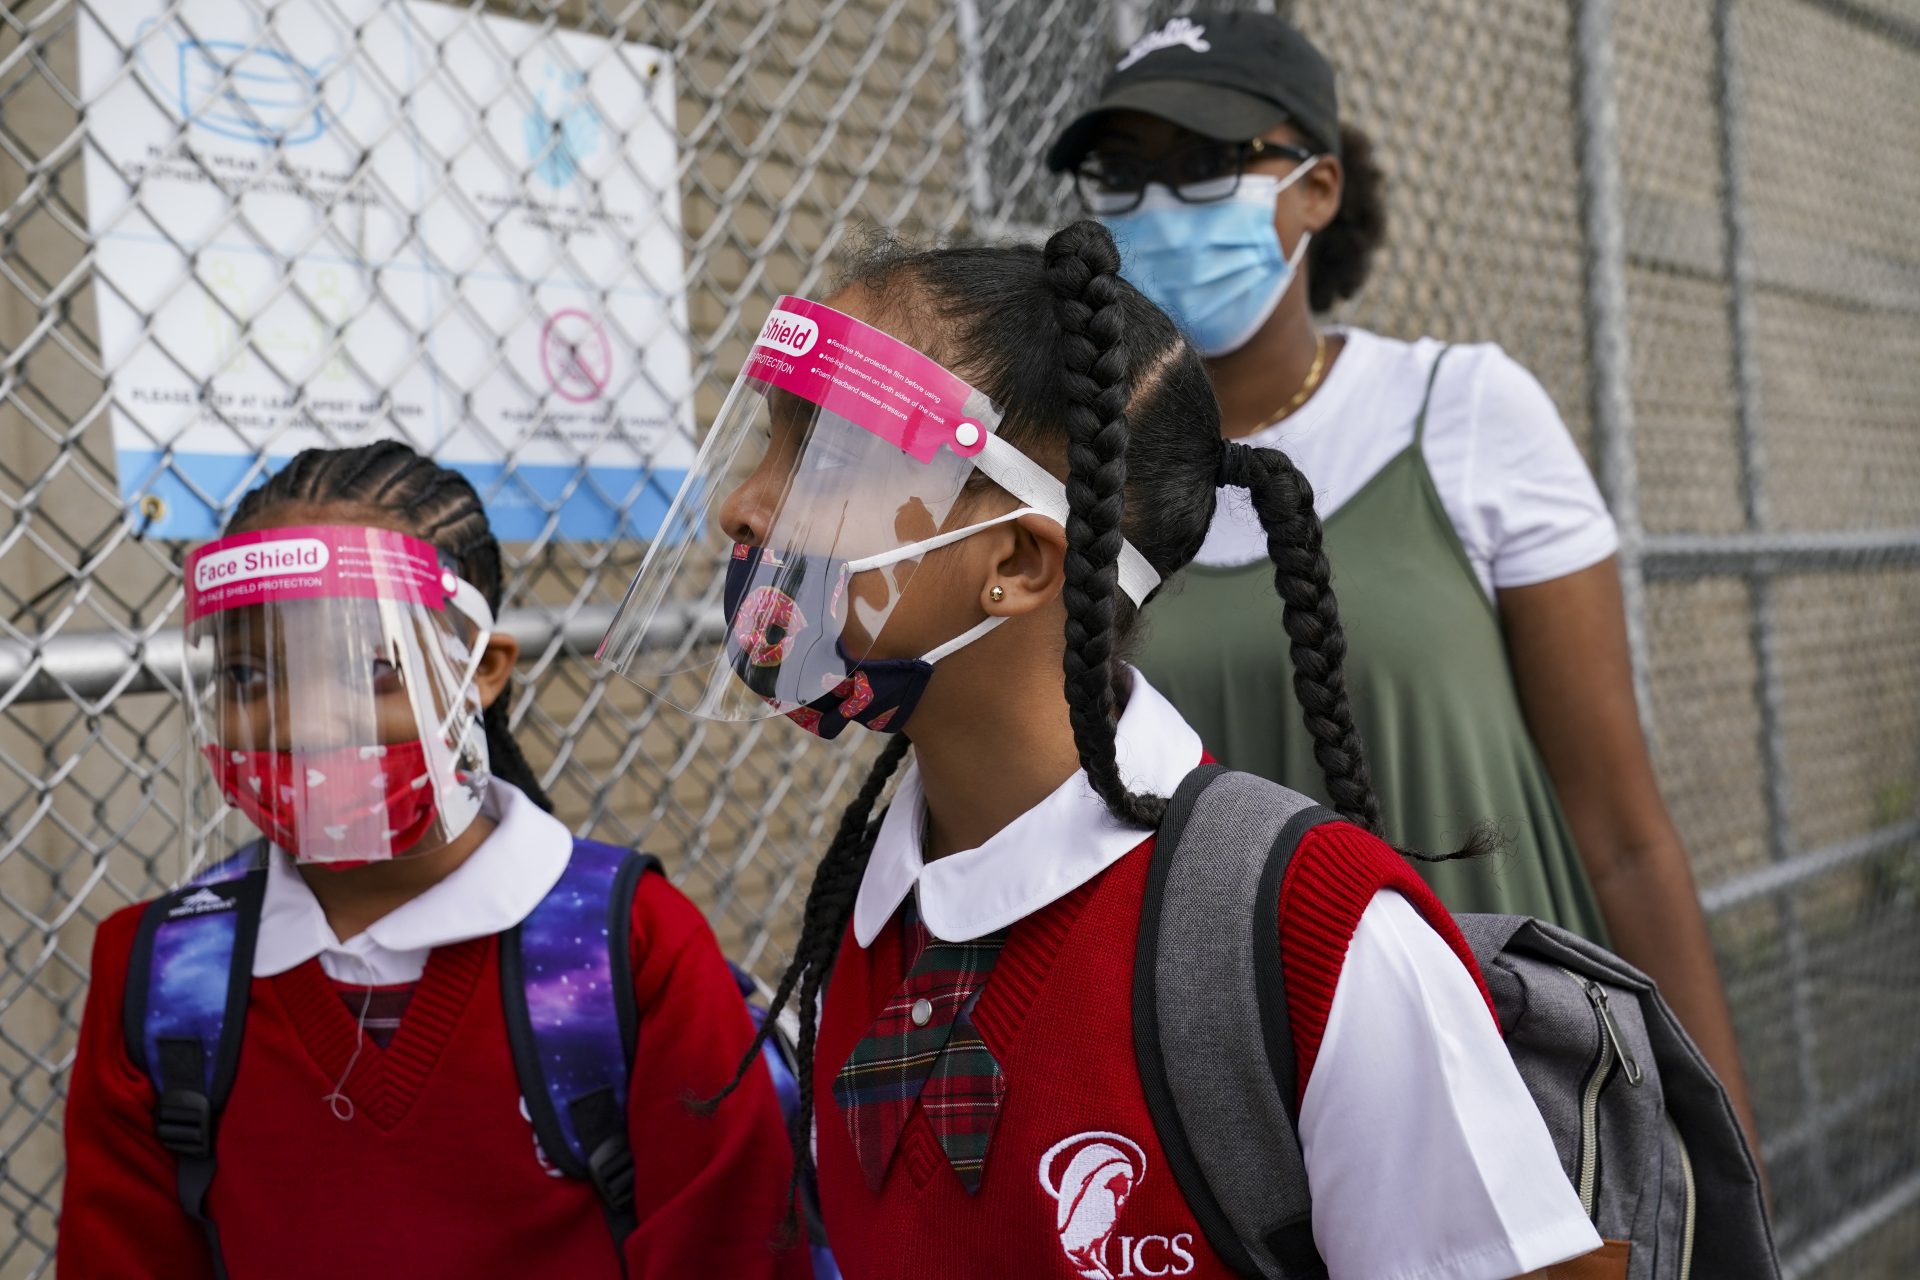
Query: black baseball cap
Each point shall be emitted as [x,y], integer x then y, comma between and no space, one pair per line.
[1230,76]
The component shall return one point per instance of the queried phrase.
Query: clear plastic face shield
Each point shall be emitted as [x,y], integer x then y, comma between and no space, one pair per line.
[330,676]
[849,450]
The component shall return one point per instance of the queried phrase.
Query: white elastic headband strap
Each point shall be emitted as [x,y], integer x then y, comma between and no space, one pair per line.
[1041,490]
[468,599]
[914,550]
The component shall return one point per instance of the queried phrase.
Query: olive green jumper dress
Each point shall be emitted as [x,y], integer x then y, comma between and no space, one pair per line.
[1431,690]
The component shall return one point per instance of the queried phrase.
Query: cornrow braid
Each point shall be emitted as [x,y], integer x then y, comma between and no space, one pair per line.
[444,509]
[1283,498]
[1083,268]
[823,923]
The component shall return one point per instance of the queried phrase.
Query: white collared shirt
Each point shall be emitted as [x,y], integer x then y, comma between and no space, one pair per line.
[498,885]
[1414,1114]
[972,893]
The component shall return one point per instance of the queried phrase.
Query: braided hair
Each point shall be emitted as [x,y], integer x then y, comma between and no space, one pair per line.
[823,923]
[1083,270]
[1301,575]
[1089,372]
[443,509]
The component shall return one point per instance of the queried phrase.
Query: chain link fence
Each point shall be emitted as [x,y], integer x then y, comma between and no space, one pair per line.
[1696,222]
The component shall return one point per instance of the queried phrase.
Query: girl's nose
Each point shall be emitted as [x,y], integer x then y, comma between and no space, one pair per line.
[314,709]
[746,514]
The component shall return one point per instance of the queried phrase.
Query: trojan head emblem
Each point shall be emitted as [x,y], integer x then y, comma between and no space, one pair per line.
[1090,1177]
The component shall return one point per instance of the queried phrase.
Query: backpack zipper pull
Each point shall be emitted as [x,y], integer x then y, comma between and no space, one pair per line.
[1598,996]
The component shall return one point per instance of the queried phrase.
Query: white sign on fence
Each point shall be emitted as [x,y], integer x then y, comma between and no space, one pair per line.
[360,218]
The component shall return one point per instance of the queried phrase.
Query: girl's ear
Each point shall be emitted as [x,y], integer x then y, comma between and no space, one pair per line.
[496,666]
[1029,568]
[1320,189]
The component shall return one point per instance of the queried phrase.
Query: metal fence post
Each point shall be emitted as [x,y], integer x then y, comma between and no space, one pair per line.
[973,107]
[1781,845]
[1609,348]
[1127,21]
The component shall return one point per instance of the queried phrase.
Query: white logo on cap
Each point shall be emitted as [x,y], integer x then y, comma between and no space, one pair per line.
[1177,31]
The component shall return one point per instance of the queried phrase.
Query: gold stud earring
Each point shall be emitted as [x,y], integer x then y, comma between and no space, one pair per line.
[997,594]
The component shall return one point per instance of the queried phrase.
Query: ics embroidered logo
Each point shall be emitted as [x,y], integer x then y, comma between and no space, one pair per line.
[1090,1177]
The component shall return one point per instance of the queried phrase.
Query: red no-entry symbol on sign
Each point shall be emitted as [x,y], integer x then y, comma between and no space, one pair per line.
[576,356]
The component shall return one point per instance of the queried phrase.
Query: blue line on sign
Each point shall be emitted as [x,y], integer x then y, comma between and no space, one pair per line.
[606,502]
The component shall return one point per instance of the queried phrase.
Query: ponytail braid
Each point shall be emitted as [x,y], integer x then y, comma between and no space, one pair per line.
[504,757]
[823,924]
[1083,268]
[445,510]
[1284,500]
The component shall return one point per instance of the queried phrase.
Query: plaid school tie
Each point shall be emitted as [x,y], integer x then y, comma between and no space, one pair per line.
[924,1046]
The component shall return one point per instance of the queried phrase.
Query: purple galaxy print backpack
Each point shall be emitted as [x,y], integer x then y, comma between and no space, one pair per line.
[572,1033]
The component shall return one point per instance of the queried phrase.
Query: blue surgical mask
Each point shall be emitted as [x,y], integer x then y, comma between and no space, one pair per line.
[1216,268]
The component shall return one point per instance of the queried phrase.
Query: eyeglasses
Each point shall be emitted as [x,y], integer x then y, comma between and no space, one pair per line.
[1201,174]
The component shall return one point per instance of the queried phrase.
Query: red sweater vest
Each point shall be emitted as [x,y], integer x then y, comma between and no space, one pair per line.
[437,1172]
[1076,1183]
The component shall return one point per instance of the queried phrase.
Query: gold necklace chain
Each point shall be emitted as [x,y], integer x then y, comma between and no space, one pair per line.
[1312,382]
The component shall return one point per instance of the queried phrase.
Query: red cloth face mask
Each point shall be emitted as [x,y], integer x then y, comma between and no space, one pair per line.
[340,806]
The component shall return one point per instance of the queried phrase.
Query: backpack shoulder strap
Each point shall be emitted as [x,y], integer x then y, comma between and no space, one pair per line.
[580,932]
[248,857]
[1219,860]
[185,1015]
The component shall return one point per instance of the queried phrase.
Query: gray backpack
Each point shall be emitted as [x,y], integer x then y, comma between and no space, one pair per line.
[1643,1129]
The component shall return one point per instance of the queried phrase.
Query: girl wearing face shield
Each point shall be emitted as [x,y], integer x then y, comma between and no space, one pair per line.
[411,927]
[939,501]
[1487,655]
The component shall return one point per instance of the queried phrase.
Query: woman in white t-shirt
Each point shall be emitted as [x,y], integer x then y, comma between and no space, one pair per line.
[1487,658]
